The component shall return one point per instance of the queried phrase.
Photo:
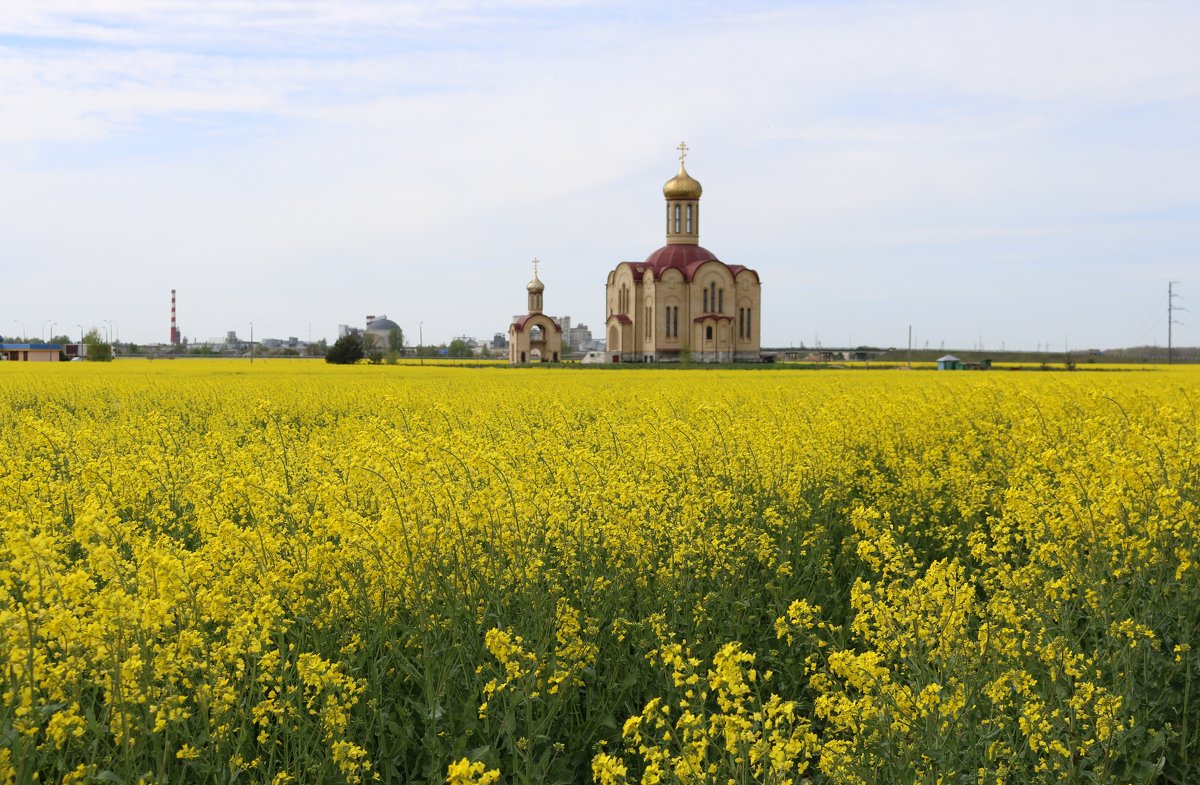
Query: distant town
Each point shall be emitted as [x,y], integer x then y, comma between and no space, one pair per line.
[382,338]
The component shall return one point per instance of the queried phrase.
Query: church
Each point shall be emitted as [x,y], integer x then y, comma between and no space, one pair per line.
[682,303]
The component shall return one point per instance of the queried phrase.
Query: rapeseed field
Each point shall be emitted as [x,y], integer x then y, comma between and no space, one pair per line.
[212,572]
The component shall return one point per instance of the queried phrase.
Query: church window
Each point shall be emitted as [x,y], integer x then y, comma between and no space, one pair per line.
[689,219]
[676,219]
[708,332]
[741,323]
[706,301]
[668,331]
[535,334]
[649,322]
[747,322]
[712,297]
[675,327]
[522,356]
[721,301]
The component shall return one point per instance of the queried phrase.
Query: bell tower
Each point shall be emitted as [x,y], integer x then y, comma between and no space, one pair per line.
[682,193]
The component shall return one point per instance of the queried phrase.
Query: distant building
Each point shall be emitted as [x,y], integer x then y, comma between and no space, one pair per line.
[31,352]
[576,338]
[499,341]
[293,343]
[378,330]
[948,362]
[534,337]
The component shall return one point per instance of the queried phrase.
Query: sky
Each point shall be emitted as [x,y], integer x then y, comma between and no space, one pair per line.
[1011,174]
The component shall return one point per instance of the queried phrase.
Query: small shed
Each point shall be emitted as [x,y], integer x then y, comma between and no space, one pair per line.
[30,352]
[950,363]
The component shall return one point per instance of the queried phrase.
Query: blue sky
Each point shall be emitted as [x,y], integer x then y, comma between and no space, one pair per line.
[1011,173]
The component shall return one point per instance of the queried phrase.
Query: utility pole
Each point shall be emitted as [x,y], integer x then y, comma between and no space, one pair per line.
[251,343]
[1171,320]
[910,347]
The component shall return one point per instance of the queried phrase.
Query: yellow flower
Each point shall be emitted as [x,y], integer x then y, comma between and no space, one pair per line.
[468,772]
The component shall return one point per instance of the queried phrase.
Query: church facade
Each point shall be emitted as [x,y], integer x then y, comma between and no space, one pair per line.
[534,337]
[682,302]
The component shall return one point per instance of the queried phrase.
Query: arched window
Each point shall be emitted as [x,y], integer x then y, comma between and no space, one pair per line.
[721,301]
[676,219]
[556,357]
[535,333]
[708,332]
[705,301]
[522,356]
[747,322]
[675,327]
[689,219]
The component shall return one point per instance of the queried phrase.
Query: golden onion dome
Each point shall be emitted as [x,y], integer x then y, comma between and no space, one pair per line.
[536,284]
[682,186]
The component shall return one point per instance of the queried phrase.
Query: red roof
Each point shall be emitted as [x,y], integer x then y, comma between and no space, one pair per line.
[687,259]
[714,316]
[520,323]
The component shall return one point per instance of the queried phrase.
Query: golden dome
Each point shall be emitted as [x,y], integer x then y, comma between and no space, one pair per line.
[682,186]
[536,284]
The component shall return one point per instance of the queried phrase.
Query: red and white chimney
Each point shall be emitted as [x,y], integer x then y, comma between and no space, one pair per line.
[174,328]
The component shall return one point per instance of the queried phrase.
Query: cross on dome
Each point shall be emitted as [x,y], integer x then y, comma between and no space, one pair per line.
[535,285]
[683,151]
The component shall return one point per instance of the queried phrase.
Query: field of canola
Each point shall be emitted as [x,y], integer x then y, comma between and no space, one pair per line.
[212,572]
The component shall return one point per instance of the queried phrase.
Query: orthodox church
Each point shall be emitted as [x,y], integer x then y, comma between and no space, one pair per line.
[682,302]
[534,337]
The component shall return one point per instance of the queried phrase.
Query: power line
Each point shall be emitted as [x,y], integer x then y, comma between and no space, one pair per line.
[1149,324]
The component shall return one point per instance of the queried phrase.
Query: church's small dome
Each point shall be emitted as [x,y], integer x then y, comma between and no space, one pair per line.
[536,284]
[682,186]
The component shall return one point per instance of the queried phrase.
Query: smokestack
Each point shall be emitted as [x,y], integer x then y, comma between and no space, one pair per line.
[174,329]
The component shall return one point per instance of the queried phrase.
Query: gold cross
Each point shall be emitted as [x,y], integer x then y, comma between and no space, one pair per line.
[535,264]
[682,148]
